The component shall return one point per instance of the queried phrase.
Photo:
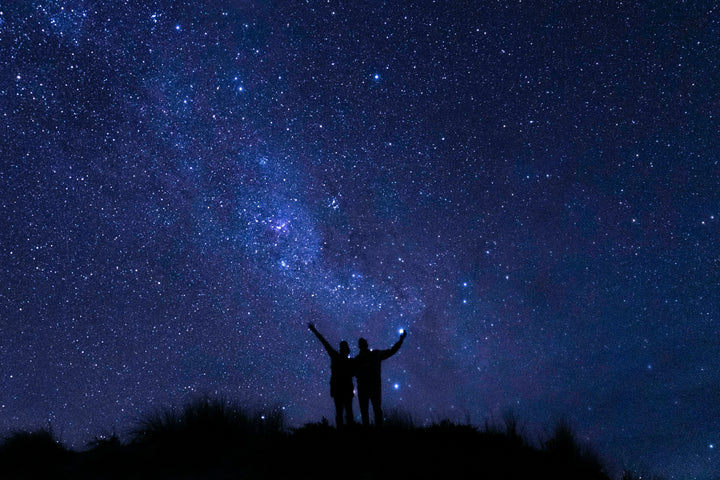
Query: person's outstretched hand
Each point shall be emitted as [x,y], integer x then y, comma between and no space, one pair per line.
[311,326]
[403,334]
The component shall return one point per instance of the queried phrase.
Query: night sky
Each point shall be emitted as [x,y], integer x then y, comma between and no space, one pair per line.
[531,189]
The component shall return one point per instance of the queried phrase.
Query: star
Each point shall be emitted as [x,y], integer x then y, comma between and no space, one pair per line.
[184,189]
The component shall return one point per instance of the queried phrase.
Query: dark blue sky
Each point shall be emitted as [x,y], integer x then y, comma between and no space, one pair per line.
[532,189]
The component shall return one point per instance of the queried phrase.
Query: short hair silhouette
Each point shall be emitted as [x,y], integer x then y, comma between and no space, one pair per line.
[369,378]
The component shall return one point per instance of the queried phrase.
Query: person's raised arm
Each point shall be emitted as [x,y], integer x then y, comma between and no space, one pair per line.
[392,351]
[331,351]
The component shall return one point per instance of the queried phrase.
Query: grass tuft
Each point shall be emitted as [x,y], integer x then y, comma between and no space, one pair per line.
[214,438]
[205,428]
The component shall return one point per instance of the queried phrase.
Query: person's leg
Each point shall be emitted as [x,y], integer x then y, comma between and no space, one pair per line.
[338,412]
[363,400]
[349,418]
[377,408]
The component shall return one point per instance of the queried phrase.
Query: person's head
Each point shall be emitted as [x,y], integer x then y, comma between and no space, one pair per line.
[362,344]
[344,348]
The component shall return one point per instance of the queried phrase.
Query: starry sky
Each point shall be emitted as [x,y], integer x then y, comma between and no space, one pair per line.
[531,189]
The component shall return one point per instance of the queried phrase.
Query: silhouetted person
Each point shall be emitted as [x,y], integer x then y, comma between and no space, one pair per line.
[367,371]
[341,373]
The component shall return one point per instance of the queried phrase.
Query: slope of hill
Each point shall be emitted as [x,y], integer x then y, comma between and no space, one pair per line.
[215,440]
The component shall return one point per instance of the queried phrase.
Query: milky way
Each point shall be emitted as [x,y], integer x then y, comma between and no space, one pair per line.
[531,190]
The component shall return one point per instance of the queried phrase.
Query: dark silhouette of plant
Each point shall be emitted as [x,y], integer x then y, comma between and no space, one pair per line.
[32,454]
[213,438]
[399,419]
[204,434]
[105,442]
[565,448]
[207,420]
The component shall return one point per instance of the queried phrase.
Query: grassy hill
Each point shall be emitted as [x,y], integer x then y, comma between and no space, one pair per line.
[211,439]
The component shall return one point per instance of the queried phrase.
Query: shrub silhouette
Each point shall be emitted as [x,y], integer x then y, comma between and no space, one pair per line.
[507,430]
[32,454]
[203,432]
[206,420]
[565,448]
[399,419]
[211,438]
[106,442]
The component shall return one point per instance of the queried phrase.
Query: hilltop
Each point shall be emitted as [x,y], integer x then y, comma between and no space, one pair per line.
[210,439]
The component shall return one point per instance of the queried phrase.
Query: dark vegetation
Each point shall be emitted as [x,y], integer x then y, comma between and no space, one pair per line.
[213,439]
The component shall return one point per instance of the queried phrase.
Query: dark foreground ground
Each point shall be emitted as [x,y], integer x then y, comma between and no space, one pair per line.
[211,440]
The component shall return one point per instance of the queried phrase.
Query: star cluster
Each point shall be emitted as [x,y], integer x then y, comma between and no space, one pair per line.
[532,191]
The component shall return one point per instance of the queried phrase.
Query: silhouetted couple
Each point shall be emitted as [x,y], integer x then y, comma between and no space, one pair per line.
[366,368]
